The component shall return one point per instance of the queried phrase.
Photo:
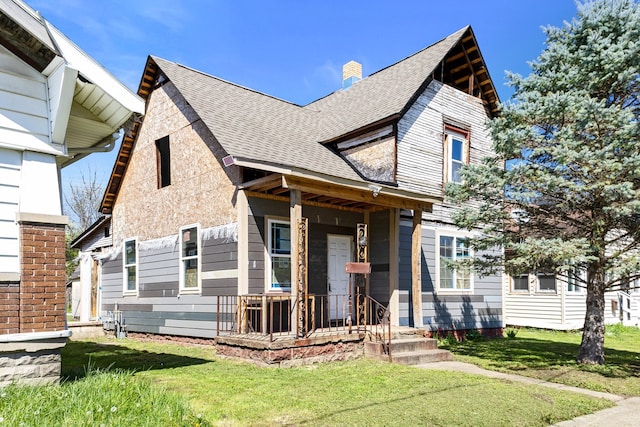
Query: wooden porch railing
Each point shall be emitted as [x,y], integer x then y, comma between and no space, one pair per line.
[270,315]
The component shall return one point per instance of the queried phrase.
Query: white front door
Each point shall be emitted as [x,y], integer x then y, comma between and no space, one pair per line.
[338,254]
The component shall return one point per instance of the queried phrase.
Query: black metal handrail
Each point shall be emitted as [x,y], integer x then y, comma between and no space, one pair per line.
[375,319]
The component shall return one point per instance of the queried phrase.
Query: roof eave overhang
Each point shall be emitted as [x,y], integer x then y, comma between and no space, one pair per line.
[342,192]
[75,244]
[392,119]
[489,95]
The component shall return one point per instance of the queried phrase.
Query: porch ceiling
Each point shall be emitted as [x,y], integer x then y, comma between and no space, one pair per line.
[355,197]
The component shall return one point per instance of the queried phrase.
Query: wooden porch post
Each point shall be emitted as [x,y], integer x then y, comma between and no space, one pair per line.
[367,278]
[394,265]
[416,268]
[242,208]
[295,215]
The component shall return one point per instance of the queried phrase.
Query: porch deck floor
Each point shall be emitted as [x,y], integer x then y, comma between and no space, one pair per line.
[288,340]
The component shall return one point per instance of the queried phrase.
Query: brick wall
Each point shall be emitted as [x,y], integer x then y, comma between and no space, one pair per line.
[9,308]
[42,287]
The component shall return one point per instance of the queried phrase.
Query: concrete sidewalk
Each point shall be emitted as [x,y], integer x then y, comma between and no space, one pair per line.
[626,413]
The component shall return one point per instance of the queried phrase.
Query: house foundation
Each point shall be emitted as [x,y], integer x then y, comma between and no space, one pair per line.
[31,358]
[289,351]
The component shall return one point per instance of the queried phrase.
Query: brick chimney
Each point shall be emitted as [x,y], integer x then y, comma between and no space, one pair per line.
[351,73]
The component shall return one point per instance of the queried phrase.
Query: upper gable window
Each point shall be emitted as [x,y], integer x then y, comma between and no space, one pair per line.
[456,148]
[163,162]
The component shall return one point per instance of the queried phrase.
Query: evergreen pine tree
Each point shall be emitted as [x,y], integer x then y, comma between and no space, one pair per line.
[568,199]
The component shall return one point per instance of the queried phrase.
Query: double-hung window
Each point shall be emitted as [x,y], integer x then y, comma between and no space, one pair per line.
[453,248]
[456,152]
[189,259]
[546,281]
[130,266]
[572,281]
[520,283]
[279,251]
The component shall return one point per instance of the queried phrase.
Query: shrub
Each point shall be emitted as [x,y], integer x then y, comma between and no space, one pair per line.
[511,333]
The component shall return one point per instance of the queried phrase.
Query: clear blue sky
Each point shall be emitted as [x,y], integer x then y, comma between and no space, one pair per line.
[292,49]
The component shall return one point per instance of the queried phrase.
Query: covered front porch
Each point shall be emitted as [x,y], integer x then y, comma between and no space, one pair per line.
[331,273]
[261,329]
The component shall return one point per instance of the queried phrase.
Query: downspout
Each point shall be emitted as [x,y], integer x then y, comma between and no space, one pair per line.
[108,143]
[105,145]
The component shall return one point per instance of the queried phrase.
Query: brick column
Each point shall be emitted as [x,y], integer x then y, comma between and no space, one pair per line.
[42,273]
[9,307]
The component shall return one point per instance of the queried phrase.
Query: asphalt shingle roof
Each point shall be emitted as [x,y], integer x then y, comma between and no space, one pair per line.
[381,94]
[257,127]
[252,126]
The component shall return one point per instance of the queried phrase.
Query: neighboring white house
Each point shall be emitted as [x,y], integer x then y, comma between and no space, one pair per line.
[91,244]
[57,105]
[545,301]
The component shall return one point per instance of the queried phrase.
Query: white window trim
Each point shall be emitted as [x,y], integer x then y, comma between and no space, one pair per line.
[126,291]
[198,257]
[546,291]
[457,235]
[512,289]
[451,132]
[267,251]
[578,290]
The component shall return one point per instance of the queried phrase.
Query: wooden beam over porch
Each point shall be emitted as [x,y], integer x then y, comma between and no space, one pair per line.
[370,194]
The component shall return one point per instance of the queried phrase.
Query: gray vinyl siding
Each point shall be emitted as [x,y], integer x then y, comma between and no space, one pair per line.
[379,256]
[322,221]
[159,308]
[217,255]
[158,273]
[480,309]
[317,256]
[111,282]
[256,250]
[421,168]
[318,252]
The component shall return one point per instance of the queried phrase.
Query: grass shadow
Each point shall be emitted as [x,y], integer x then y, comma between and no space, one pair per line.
[537,354]
[77,356]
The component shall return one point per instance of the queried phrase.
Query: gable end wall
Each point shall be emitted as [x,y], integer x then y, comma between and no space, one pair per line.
[420,140]
[201,190]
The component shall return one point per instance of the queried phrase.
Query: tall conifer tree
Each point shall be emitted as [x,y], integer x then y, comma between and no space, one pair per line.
[568,199]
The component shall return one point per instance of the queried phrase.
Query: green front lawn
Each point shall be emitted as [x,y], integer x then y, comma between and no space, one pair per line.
[361,392]
[141,383]
[550,356]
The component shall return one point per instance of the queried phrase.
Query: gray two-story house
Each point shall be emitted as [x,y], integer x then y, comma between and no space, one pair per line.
[235,211]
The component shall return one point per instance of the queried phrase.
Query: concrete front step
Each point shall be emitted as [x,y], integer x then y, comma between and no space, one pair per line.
[400,345]
[421,356]
[408,350]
